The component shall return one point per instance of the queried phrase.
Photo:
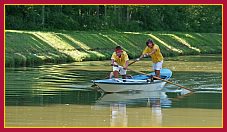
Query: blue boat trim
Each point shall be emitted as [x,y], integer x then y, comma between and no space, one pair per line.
[137,79]
[125,83]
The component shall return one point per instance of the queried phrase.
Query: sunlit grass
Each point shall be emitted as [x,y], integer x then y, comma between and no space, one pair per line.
[165,44]
[182,41]
[25,48]
[106,36]
[80,44]
[188,35]
[132,32]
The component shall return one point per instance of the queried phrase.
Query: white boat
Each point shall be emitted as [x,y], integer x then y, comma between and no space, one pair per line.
[137,83]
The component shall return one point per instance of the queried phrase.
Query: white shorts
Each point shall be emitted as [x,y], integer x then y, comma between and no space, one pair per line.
[120,69]
[158,65]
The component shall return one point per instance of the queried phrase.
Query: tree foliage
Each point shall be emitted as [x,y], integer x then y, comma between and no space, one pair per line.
[187,18]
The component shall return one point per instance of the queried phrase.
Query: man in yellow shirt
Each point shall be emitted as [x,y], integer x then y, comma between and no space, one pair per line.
[119,61]
[154,52]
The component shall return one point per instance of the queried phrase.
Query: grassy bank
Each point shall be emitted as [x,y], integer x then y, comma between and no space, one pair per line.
[28,48]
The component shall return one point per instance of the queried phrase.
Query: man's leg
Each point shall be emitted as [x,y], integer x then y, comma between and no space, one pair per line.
[157,67]
[115,73]
[111,75]
[123,73]
[123,76]
[157,73]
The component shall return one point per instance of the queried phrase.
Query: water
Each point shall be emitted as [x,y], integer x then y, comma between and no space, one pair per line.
[62,96]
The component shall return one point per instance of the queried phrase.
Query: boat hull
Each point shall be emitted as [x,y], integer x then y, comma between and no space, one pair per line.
[122,87]
[137,83]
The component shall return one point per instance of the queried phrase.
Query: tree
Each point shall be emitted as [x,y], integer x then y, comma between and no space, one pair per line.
[192,18]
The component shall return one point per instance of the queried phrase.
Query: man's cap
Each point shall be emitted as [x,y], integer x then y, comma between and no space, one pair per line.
[118,49]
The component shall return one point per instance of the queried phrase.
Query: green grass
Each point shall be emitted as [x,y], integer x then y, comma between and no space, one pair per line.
[29,48]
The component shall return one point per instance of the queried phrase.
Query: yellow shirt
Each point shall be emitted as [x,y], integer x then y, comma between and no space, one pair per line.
[157,56]
[122,60]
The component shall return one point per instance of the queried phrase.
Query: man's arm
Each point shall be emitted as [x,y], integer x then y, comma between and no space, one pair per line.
[126,65]
[112,62]
[152,52]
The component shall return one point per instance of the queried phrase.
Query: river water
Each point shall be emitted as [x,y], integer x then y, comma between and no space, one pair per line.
[62,96]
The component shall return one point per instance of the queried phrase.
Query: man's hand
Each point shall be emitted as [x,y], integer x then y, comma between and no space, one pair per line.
[147,54]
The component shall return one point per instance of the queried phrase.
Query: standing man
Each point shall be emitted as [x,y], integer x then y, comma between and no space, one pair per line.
[119,61]
[154,52]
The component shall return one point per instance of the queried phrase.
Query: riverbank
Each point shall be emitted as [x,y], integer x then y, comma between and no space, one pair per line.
[29,48]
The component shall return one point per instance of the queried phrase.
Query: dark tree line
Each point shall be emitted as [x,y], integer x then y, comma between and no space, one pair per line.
[187,18]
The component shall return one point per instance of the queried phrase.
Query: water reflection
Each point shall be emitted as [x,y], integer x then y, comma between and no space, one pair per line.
[119,117]
[120,105]
[156,112]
